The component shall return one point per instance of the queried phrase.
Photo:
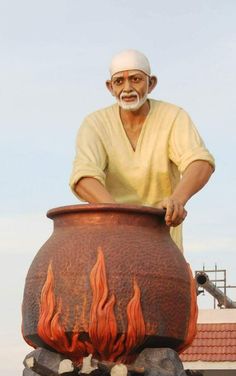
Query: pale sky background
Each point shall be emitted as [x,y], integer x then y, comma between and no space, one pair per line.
[54,58]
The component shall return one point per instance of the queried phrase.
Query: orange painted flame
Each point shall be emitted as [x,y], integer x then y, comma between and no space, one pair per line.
[104,341]
[136,328]
[51,330]
[102,326]
[192,325]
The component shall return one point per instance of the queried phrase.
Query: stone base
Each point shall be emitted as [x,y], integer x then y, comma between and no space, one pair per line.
[160,362]
[150,362]
[41,362]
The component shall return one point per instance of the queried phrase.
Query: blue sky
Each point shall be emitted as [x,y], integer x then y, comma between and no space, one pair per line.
[54,58]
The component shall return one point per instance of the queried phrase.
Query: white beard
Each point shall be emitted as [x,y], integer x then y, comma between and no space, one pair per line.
[134,105]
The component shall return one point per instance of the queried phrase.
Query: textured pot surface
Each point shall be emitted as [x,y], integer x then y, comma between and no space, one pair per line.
[111,278]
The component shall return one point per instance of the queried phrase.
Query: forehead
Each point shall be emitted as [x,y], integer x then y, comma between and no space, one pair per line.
[128,73]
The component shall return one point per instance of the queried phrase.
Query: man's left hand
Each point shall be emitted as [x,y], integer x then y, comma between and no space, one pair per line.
[175,211]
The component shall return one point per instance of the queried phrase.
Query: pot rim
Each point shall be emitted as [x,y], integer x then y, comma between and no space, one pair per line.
[105,208]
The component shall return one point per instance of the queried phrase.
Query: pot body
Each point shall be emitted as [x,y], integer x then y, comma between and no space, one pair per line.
[109,281]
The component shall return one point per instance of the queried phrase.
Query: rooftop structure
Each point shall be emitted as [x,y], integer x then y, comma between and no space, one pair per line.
[213,350]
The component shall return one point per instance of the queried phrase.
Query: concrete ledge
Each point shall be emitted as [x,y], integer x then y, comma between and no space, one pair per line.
[214,316]
[210,365]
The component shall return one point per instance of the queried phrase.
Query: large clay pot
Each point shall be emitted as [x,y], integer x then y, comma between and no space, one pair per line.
[109,281]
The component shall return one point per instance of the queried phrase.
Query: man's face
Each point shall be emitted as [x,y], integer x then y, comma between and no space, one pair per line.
[130,88]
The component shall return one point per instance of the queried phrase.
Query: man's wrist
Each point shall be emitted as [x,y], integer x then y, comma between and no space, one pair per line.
[181,199]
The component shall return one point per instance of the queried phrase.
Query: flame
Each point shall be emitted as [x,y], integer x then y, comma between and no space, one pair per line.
[51,330]
[136,328]
[192,325]
[104,340]
[102,327]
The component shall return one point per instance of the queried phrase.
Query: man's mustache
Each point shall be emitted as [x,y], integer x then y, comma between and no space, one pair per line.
[130,94]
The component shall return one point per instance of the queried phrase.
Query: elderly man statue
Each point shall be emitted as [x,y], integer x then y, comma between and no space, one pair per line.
[140,150]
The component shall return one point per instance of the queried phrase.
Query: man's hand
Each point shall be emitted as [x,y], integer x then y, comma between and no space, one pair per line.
[175,212]
[194,178]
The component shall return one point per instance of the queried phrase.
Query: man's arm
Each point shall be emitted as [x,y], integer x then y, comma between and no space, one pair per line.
[194,178]
[92,191]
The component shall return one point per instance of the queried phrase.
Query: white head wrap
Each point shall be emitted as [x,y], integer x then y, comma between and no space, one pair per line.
[129,60]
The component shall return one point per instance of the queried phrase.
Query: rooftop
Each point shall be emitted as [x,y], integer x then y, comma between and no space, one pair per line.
[216,337]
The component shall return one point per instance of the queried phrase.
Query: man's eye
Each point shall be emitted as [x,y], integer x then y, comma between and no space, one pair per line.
[136,79]
[118,81]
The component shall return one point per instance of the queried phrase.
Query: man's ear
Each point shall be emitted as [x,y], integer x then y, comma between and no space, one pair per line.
[109,87]
[152,83]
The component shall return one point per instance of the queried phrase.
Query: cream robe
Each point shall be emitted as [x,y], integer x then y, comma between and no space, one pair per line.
[167,144]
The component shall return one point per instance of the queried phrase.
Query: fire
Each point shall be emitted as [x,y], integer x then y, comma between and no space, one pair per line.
[102,326]
[51,330]
[104,341]
[136,328]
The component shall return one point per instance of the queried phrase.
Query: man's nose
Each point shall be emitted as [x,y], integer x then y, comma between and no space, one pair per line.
[127,86]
